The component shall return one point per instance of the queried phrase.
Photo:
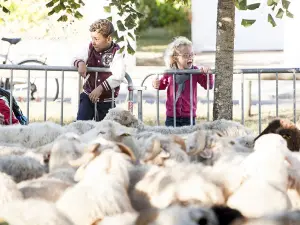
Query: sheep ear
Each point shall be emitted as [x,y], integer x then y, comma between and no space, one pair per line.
[126,150]
[180,141]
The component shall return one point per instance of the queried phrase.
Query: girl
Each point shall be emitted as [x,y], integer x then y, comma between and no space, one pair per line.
[179,55]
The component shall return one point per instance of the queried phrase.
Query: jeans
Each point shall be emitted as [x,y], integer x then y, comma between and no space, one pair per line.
[180,121]
[86,109]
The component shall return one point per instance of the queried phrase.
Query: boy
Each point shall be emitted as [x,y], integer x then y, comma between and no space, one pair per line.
[102,52]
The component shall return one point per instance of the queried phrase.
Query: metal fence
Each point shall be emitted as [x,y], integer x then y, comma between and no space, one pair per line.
[243,74]
[61,69]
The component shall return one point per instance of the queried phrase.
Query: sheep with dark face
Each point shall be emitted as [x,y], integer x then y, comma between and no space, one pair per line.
[287,130]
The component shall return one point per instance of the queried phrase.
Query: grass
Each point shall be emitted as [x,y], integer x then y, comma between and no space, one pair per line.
[149,113]
[153,40]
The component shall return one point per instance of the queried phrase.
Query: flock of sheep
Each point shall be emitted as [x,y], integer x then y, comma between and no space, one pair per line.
[122,172]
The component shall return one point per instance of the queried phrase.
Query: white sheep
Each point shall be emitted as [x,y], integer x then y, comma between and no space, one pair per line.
[81,126]
[33,212]
[21,167]
[31,136]
[161,149]
[226,127]
[264,189]
[8,190]
[49,189]
[102,189]
[182,183]
[207,146]
[177,215]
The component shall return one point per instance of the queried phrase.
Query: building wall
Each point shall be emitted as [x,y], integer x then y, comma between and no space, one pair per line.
[260,36]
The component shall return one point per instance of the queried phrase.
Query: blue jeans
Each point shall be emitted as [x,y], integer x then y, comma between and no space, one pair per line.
[180,121]
[86,109]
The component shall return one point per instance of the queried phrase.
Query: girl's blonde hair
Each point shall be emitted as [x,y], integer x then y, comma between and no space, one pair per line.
[173,50]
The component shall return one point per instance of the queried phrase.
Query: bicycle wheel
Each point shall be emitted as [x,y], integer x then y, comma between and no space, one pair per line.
[33,86]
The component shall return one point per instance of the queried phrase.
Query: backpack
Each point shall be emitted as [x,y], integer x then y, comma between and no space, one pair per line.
[15,107]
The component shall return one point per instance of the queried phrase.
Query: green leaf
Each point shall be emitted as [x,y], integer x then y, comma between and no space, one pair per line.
[63,7]
[50,4]
[280,13]
[51,12]
[57,8]
[273,8]
[122,49]
[5,10]
[119,39]
[130,50]
[241,4]
[131,36]
[247,23]
[63,18]
[253,6]
[285,4]
[130,22]
[109,18]
[271,20]
[107,9]
[289,14]
[120,26]
[78,15]
[271,2]
[69,11]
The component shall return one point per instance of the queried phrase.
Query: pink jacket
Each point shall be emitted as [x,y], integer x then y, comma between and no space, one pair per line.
[183,103]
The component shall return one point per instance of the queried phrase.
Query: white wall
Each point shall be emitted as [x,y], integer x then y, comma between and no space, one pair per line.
[260,36]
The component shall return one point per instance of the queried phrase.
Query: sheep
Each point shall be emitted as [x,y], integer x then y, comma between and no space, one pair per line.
[65,148]
[226,127]
[160,149]
[33,212]
[177,215]
[208,146]
[49,189]
[123,117]
[109,130]
[182,184]
[98,158]
[266,179]
[21,167]
[31,136]
[287,130]
[8,190]
[102,188]
[81,126]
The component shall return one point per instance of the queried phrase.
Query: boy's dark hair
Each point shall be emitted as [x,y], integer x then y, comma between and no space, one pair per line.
[102,26]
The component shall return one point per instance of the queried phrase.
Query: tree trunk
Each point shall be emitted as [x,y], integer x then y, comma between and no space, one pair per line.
[222,108]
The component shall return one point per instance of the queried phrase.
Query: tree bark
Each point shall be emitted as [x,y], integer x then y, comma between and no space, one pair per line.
[222,108]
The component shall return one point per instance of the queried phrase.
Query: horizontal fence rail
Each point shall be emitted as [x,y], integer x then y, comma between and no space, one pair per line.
[243,74]
[61,69]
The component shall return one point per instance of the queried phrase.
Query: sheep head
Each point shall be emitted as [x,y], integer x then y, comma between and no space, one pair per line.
[287,130]
[156,154]
[98,158]
[203,143]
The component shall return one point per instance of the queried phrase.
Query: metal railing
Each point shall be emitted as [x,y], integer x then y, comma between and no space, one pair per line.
[61,69]
[244,74]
